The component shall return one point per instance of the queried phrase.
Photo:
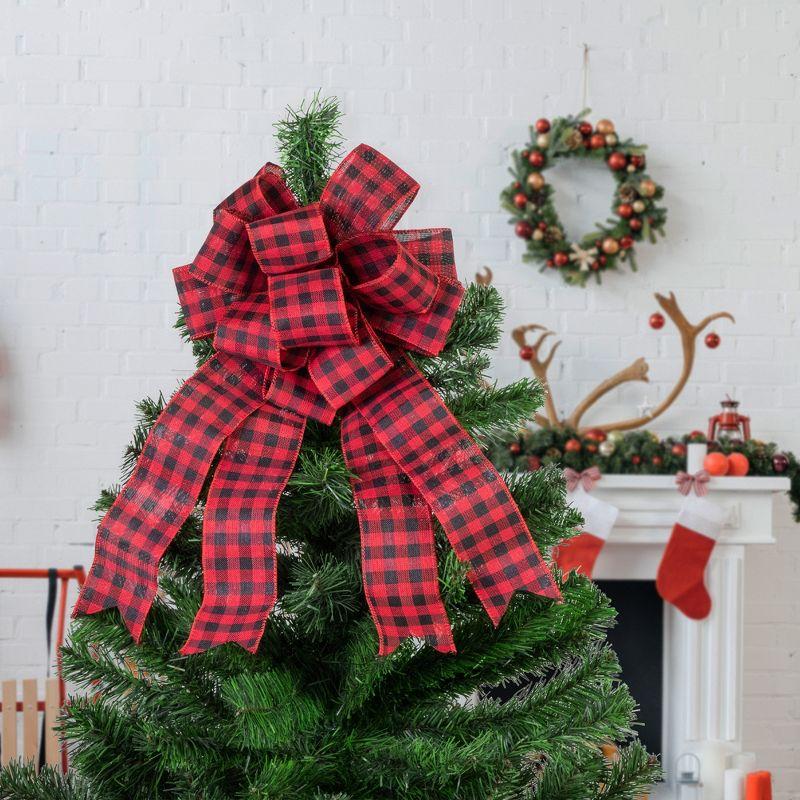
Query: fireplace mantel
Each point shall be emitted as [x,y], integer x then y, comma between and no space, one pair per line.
[702,660]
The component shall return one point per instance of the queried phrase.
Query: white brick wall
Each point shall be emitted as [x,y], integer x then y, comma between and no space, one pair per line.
[122,123]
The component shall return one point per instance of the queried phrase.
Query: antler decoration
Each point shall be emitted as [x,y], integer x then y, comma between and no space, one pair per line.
[636,371]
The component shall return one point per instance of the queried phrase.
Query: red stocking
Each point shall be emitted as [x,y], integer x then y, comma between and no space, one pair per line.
[580,553]
[681,573]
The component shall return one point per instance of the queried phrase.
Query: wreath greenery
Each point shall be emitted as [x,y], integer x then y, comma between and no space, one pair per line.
[529,198]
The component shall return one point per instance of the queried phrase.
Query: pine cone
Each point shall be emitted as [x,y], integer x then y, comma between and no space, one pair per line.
[628,193]
[573,140]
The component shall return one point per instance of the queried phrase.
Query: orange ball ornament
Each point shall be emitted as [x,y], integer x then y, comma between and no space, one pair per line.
[604,126]
[535,181]
[572,445]
[610,246]
[738,464]
[716,464]
[647,188]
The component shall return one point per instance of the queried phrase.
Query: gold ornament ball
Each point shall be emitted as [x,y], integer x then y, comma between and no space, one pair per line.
[538,235]
[604,126]
[639,206]
[647,188]
[611,139]
[535,181]
[616,437]
[543,140]
[630,168]
[610,246]
[607,448]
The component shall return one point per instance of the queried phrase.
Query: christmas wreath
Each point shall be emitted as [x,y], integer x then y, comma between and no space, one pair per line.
[635,453]
[529,198]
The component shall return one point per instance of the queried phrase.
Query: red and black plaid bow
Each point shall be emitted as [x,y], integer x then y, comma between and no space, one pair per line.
[311,309]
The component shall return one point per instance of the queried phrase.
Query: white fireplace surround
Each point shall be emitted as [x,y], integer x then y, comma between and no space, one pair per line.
[702,660]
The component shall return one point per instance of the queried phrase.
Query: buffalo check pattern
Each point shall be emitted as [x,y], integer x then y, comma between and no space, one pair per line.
[239,564]
[398,553]
[312,310]
[163,489]
[462,487]
[291,241]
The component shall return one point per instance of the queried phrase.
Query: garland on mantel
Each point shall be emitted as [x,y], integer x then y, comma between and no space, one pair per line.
[635,453]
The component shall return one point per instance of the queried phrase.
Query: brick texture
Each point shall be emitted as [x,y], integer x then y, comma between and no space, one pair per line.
[122,123]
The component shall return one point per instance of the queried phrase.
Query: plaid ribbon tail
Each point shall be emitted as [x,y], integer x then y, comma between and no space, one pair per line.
[239,558]
[398,554]
[163,490]
[463,489]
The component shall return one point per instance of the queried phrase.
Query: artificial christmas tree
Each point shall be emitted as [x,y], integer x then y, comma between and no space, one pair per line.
[307,708]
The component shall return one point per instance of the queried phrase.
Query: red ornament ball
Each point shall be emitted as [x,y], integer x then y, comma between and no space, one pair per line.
[561,259]
[625,210]
[678,449]
[596,435]
[542,125]
[517,185]
[520,201]
[542,226]
[585,129]
[591,447]
[780,463]
[697,436]
[738,464]
[657,461]
[636,459]
[626,242]
[596,141]
[638,161]
[595,265]
[515,448]
[550,263]
[657,321]
[525,153]
[716,464]
[534,463]
[635,224]
[617,161]
[712,340]
[526,353]
[536,159]
[572,445]
[523,230]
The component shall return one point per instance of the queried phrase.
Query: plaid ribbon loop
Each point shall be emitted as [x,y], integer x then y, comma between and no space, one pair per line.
[308,307]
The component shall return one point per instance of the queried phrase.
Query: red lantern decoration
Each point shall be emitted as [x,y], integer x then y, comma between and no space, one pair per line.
[729,424]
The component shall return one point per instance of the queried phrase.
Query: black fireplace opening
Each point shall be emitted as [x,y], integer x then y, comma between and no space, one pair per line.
[638,640]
